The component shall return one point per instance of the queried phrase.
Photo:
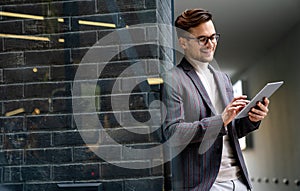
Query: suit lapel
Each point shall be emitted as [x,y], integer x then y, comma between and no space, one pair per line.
[189,70]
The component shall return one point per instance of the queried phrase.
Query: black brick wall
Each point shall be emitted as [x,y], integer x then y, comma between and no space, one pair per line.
[42,145]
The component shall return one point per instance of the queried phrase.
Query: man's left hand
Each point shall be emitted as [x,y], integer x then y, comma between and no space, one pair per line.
[259,112]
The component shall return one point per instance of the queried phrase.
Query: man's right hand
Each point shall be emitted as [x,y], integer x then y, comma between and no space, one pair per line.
[233,108]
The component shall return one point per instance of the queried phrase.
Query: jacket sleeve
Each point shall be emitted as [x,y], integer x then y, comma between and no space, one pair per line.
[175,127]
[244,126]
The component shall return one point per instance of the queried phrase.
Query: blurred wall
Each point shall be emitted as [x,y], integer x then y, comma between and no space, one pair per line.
[274,159]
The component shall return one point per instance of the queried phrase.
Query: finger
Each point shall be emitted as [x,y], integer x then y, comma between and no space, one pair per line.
[242,97]
[258,112]
[262,107]
[255,117]
[266,102]
[239,103]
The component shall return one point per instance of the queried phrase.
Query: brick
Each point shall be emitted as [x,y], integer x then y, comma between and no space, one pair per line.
[1,76]
[11,59]
[48,156]
[156,134]
[112,171]
[11,44]
[74,40]
[67,139]
[46,26]
[21,75]
[33,9]
[13,75]
[47,90]
[11,27]
[151,184]
[41,187]
[158,167]
[109,120]
[49,122]
[11,174]
[136,118]
[123,136]
[35,173]
[112,185]
[134,85]
[63,73]
[95,54]
[17,2]
[142,152]
[120,6]
[12,92]
[152,33]
[154,67]
[1,141]
[15,141]
[12,124]
[106,86]
[145,51]
[74,72]
[61,105]
[1,44]
[94,153]
[109,18]
[46,58]
[152,4]
[140,17]
[73,8]
[76,172]
[123,69]
[25,140]
[123,102]
[14,187]
[132,35]
[105,120]
[9,158]
[41,104]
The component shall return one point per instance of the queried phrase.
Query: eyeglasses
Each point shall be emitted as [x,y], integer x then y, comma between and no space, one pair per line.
[203,40]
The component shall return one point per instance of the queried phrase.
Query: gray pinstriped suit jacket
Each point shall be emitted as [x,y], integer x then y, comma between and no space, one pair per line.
[196,130]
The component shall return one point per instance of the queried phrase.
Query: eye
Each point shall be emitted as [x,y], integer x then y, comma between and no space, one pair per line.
[202,39]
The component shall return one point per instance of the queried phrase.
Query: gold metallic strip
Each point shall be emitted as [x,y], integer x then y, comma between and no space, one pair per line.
[24,37]
[15,112]
[61,40]
[92,23]
[155,81]
[61,20]
[26,16]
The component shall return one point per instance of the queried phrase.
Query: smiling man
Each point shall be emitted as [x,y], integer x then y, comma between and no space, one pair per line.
[199,99]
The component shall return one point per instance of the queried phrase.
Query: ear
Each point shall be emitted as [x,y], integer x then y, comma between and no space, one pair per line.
[182,42]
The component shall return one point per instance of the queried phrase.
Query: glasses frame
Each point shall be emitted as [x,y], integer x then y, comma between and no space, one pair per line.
[203,40]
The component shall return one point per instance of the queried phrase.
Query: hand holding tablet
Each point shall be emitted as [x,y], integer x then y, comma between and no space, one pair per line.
[267,91]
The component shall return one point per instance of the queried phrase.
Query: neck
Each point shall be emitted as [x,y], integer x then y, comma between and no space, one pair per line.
[198,65]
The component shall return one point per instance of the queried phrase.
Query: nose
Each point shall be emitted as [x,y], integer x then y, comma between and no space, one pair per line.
[209,43]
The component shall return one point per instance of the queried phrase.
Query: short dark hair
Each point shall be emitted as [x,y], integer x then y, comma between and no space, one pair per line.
[191,18]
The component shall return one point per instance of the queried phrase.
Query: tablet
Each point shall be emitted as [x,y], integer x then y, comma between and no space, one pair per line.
[267,91]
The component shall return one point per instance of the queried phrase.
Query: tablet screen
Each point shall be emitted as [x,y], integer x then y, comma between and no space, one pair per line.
[267,91]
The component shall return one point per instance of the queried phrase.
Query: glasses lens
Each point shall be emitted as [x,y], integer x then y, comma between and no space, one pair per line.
[203,40]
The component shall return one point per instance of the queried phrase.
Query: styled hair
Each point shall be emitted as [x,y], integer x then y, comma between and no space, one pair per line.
[191,18]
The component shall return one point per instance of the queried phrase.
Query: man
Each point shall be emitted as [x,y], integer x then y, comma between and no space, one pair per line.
[200,116]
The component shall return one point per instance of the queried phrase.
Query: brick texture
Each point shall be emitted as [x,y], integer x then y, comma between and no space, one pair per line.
[43,141]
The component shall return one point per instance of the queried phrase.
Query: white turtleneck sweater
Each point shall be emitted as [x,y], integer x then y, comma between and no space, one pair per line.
[228,169]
